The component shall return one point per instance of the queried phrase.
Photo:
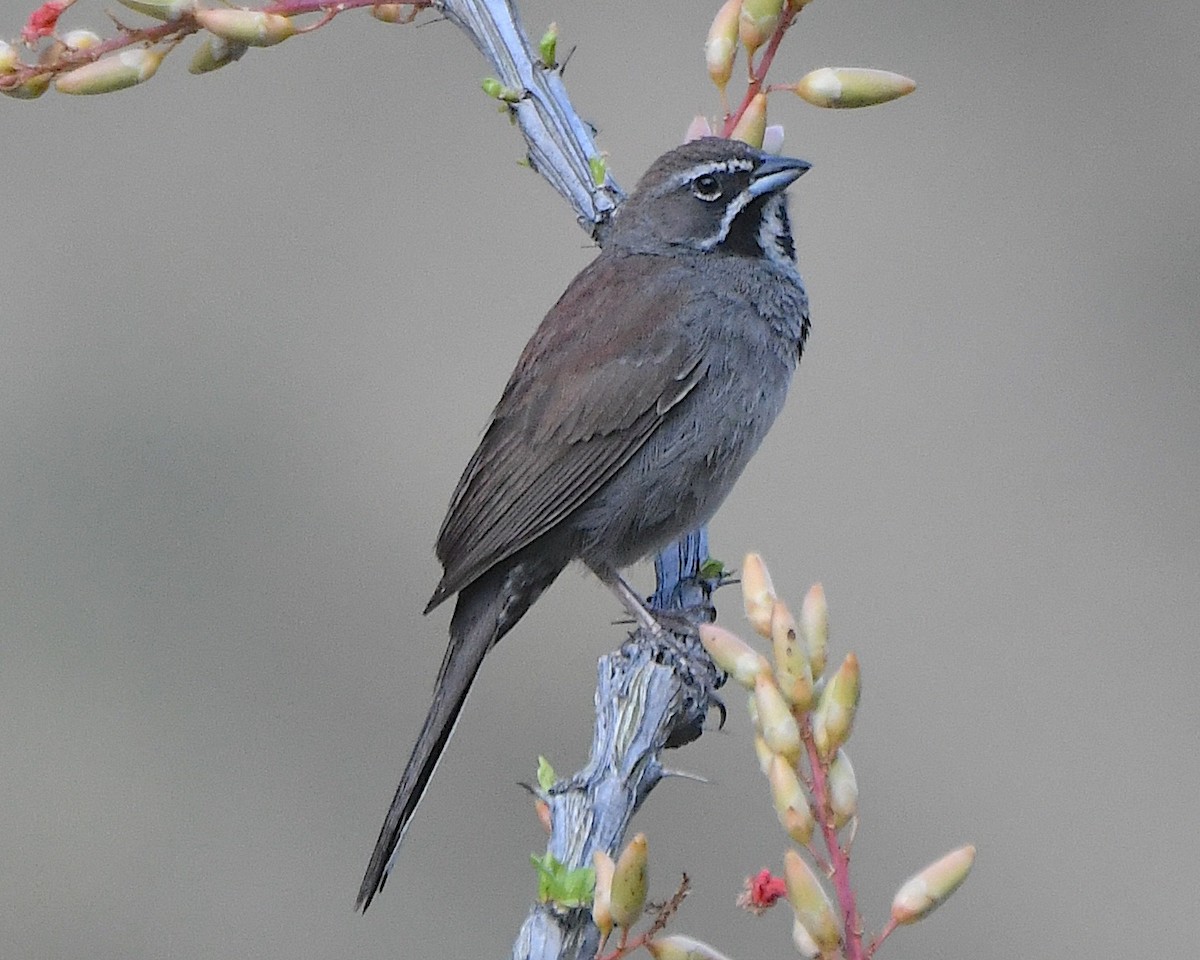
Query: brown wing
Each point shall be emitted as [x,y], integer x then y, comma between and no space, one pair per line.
[585,395]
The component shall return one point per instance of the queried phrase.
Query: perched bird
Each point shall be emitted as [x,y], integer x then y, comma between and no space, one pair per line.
[630,414]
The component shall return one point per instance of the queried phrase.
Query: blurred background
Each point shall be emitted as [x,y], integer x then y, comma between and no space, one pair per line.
[254,322]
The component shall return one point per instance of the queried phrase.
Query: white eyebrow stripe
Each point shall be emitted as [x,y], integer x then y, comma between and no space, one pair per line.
[735,164]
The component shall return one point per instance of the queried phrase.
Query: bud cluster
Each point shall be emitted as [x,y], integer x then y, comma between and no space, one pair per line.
[803,718]
[758,26]
[79,61]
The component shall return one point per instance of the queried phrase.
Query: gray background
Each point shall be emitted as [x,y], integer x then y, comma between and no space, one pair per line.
[253,323]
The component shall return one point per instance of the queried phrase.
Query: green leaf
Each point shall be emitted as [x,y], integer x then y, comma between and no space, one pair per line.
[545,774]
[560,886]
[713,569]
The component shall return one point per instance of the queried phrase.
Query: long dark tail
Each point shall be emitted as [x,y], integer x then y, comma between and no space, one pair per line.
[485,611]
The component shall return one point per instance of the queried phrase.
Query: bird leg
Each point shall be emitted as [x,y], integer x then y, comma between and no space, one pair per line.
[659,624]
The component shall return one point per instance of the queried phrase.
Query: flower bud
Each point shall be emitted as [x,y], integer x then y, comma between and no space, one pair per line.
[214,53]
[758,594]
[251,27]
[773,139]
[699,127]
[720,49]
[833,718]
[394,12]
[805,945]
[28,89]
[757,20]
[752,124]
[732,654]
[791,665]
[629,882]
[846,87]
[843,790]
[779,727]
[160,9]
[548,47]
[922,894]
[811,903]
[762,751]
[814,627]
[80,39]
[10,59]
[108,74]
[676,947]
[602,897]
[791,805]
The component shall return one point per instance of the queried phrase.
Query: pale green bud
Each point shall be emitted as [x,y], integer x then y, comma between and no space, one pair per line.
[80,39]
[720,49]
[814,627]
[757,20]
[629,883]
[930,888]
[792,672]
[761,750]
[161,9]
[843,790]
[28,89]
[791,805]
[214,53]
[251,27]
[847,87]
[752,125]
[598,167]
[677,947]
[548,47]
[10,59]
[779,727]
[116,72]
[805,945]
[732,654]
[602,897]
[758,594]
[833,718]
[811,903]
[395,12]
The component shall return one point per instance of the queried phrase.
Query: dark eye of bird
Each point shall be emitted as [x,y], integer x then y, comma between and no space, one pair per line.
[706,187]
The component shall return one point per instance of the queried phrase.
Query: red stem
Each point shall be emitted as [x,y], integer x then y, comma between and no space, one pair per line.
[764,64]
[839,859]
[176,30]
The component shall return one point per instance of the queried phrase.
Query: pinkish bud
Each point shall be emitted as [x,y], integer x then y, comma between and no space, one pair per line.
[773,139]
[699,127]
[814,627]
[602,898]
[161,9]
[720,49]
[758,594]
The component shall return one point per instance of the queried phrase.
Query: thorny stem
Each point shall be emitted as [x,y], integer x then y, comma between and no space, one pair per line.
[759,74]
[839,859]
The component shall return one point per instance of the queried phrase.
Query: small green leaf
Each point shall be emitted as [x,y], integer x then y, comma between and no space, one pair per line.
[598,165]
[713,569]
[560,886]
[547,46]
[545,774]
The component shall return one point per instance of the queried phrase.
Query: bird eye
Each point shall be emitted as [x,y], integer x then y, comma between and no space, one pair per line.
[706,188]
